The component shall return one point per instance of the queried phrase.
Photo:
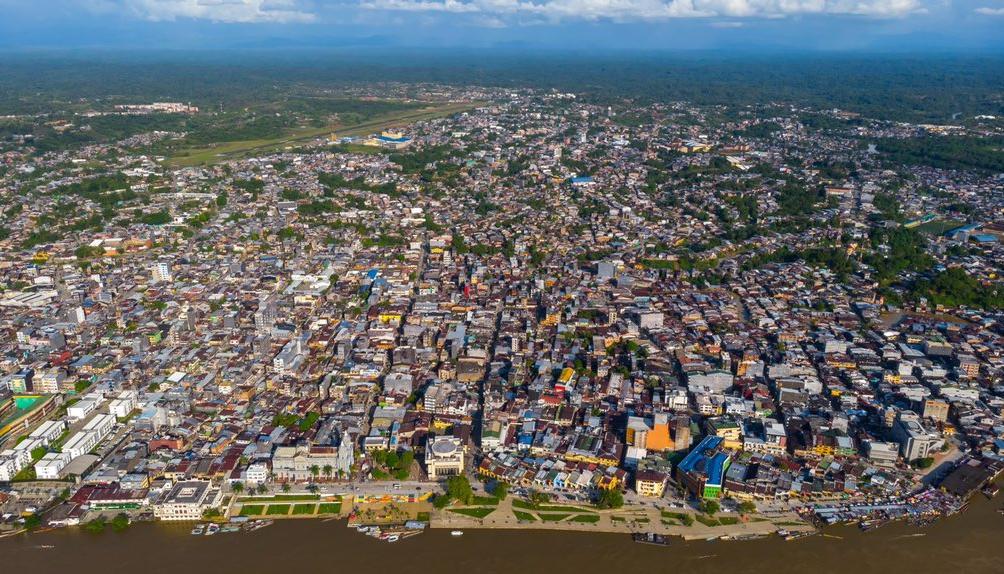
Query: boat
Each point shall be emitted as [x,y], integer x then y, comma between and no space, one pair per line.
[393,538]
[801,534]
[457,533]
[198,530]
[990,490]
[258,524]
[230,528]
[650,538]
[212,529]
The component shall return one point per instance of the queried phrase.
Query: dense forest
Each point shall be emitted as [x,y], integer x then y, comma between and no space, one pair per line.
[887,87]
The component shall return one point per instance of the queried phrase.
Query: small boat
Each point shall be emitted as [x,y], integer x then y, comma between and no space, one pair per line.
[212,529]
[198,530]
[990,490]
[393,538]
[457,533]
[650,538]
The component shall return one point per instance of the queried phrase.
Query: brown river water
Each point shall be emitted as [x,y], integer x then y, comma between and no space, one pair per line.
[969,543]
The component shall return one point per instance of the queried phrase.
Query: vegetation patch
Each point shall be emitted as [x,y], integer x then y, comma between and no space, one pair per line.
[473,512]
[301,509]
[329,508]
[524,516]
[277,509]
[252,510]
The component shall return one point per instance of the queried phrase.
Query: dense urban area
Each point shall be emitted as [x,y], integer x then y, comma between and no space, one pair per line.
[413,305]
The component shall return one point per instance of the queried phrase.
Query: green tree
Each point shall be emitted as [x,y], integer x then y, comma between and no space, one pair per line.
[459,488]
[120,522]
[710,507]
[610,498]
[501,490]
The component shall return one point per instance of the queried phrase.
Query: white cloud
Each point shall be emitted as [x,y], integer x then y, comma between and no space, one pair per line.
[988,11]
[651,10]
[232,11]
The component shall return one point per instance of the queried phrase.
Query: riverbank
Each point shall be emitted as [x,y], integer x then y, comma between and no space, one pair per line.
[967,542]
[514,514]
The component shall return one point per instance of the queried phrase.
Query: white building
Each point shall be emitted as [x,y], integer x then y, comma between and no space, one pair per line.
[256,473]
[51,466]
[444,456]
[188,500]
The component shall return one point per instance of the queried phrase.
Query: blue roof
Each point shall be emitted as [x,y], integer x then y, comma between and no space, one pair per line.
[967,227]
[689,463]
[984,238]
[582,179]
[401,139]
[716,469]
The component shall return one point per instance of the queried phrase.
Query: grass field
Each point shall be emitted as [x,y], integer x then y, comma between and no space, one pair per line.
[301,509]
[939,226]
[486,501]
[549,507]
[524,516]
[252,510]
[473,512]
[590,518]
[329,508]
[277,509]
[281,497]
[233,150]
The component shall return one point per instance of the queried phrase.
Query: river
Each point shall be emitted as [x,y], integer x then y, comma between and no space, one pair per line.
[970,543]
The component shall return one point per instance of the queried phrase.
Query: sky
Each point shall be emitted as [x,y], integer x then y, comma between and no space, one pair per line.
[969,26]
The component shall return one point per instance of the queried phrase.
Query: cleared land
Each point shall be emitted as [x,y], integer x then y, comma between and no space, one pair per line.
[233,150]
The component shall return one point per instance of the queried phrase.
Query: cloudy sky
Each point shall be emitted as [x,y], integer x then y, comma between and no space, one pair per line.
[889,25]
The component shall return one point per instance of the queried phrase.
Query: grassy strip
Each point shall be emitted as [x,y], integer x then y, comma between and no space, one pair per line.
[706,520]
[329,508]
[553,517]
[473,512]
[519,503]
[524,516]
[277,509]
[282,497]
[301,509]
[590,518]
[252,510]
[728,520]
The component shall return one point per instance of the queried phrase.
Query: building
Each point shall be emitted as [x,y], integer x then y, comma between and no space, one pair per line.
[936,410]
[650,483]
[161,272]
[703,470]
[444,456]
[188,500]
[915,441]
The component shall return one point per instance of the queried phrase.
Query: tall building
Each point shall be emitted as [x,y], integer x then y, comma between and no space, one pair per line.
[161,272]
[265,316]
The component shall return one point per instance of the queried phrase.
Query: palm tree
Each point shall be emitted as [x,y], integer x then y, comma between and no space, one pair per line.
[238,487]
[286,487]
[315,470]
[327,471]
[262,489]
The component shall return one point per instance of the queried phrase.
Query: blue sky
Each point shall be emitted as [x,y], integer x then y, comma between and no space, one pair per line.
[739,25]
